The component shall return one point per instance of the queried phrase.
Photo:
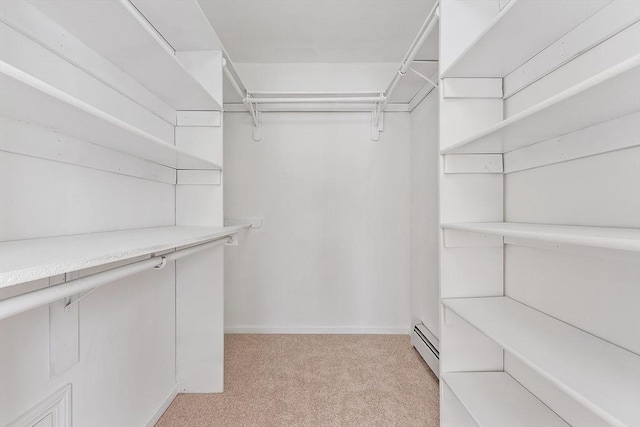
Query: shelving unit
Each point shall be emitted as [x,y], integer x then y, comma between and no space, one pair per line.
[502,303]
[135,47]
[122,65]
[515,35]
[605,96]
[625,239]
[26,260]
[495,399]
[31,100]
[601,376]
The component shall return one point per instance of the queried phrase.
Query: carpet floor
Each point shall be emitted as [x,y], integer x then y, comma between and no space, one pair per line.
[315,380]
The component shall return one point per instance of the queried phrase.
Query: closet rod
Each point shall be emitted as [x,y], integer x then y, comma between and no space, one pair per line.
[427,28]
[316,93]
[242,93]
[21,303]
[345,99]
[234,83]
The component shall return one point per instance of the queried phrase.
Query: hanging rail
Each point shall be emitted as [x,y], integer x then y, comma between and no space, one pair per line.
[263,93]
[237,85]
[21,303]
[328,99]
[425,30]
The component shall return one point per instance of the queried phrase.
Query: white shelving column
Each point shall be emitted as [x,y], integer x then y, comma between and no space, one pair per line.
[200,278]
[540,213]
[470,192]
[111,152]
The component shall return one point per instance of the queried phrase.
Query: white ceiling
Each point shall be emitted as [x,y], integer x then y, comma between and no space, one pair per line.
[318,30]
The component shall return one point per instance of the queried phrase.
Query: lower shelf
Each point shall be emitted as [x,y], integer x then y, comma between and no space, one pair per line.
[602,377]
[495,399]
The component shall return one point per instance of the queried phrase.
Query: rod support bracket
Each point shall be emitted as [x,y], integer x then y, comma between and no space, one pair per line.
[377,117]
[69,302]
[257,128]
[377,123]
[256,116]
[162,264]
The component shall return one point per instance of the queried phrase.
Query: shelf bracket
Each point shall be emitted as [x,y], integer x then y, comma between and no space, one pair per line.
[255,222]
[70,303]
[422,76]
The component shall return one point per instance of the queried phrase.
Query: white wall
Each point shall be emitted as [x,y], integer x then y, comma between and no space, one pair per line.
[425,228]
[333,253]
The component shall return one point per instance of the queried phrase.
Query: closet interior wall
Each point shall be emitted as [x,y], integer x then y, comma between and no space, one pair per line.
[336,252]
[332,255]
[319,182]
[425,233]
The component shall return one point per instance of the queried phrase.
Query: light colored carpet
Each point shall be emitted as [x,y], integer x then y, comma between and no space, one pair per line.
[315,380]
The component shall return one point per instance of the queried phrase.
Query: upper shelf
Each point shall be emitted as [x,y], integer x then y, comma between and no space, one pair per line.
[519,32]
[120,34]
[496,399]
[612,93]
[23,261]
[26,98]
[626,239]
[603,377]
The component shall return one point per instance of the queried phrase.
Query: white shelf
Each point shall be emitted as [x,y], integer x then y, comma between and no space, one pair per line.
[120,34]
[29,99]
[26,260]
[495,399]
[612,93]
[603,377]
[626,239]
[518,33]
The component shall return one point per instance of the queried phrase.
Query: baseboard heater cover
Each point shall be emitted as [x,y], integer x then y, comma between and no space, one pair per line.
[427,345]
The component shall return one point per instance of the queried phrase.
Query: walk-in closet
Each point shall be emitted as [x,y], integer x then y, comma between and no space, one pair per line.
[348,213]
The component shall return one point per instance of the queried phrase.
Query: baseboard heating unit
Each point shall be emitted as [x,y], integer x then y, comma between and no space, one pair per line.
[427,345]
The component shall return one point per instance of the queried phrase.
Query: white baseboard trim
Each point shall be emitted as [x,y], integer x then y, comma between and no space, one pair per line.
[165,405]
[353,330]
